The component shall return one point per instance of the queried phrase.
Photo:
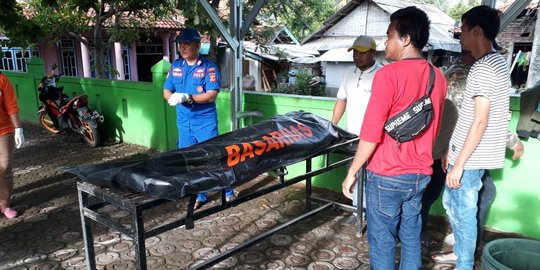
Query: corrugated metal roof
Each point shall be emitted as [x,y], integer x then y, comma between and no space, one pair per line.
[360,17]
[289,52]
[328,43]
[441,24]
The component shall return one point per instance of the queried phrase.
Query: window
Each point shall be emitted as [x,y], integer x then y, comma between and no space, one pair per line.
[152,46]
[69,59]
[125,60]
[15,59]
[7,60]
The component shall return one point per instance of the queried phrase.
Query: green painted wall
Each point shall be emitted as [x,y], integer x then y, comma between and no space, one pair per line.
[273,104]
[135,112]
[25,85]
[517,205]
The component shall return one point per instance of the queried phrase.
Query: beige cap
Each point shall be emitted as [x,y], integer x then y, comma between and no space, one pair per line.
[364,44]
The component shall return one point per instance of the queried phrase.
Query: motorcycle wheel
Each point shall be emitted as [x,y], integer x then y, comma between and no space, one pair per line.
[90,135]
[47,123]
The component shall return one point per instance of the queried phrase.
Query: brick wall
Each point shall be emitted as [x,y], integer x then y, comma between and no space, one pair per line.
[516,32]
[512,33]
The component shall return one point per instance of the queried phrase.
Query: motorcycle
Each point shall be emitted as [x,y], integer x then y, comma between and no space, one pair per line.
[57,112]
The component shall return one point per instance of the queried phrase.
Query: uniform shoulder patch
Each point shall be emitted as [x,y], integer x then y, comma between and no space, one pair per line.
[213,77]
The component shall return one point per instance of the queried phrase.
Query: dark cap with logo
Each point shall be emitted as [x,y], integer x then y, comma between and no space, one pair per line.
[188,35]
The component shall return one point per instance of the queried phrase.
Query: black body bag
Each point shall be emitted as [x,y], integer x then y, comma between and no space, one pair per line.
[409,123]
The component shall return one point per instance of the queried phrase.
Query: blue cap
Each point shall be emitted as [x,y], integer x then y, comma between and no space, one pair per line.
[188,35]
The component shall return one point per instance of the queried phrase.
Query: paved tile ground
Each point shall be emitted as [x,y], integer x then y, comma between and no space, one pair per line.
[47,234]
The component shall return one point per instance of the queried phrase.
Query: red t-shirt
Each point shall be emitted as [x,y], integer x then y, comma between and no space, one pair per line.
[8,106]
[395,87]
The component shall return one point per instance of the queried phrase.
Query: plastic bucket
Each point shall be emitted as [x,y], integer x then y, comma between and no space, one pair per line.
[511,254]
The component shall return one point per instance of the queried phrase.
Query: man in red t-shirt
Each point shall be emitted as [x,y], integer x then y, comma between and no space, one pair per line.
[397,173]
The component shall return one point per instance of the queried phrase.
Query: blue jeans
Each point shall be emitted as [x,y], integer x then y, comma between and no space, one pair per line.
[461,208]
[486,196]
[393,212]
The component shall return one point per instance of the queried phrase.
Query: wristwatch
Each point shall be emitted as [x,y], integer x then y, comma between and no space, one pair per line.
[190,99]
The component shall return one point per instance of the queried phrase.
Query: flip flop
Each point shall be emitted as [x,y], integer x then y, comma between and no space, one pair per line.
[446,258]
[9,213]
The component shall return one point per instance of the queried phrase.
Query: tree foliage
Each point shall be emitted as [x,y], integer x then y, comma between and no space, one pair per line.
[99,24]
[461,7]
[302,17]
[306,85]
[13,24]
[195,16]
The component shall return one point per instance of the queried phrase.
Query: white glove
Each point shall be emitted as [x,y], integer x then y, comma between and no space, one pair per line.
[19,137]
[177,98]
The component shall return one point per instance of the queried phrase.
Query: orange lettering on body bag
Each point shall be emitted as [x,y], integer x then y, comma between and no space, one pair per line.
[277,140]
[307,131]
[272,144]
[261,147]
[233,154]
[248,151]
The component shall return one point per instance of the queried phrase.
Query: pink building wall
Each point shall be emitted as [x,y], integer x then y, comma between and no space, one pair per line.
[49,53]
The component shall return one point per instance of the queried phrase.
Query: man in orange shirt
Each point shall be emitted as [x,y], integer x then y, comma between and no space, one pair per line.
[11,134]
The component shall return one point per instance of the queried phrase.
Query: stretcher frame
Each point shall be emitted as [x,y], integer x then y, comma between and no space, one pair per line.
[136,203]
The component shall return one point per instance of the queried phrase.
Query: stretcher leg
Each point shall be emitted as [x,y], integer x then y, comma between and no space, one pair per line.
[87,232]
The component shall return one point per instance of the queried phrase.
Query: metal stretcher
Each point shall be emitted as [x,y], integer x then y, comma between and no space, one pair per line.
[93,197]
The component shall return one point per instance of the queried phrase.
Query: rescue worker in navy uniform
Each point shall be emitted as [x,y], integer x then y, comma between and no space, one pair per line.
[192,85]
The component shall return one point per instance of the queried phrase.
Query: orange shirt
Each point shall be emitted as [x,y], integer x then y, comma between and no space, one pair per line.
[8,105]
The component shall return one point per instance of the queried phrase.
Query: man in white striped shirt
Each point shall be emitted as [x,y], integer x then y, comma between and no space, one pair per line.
[479,139]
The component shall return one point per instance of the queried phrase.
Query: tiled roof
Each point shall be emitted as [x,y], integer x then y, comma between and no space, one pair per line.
[169,24]
[175,22]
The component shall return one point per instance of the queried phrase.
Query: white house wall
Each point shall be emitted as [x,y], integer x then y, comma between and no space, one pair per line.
[366,19]
[255,69]
[333,74]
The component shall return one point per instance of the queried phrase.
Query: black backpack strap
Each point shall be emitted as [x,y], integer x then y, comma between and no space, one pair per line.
[431,79]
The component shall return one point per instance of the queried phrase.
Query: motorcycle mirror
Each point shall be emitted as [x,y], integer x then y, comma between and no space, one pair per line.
[54,66]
